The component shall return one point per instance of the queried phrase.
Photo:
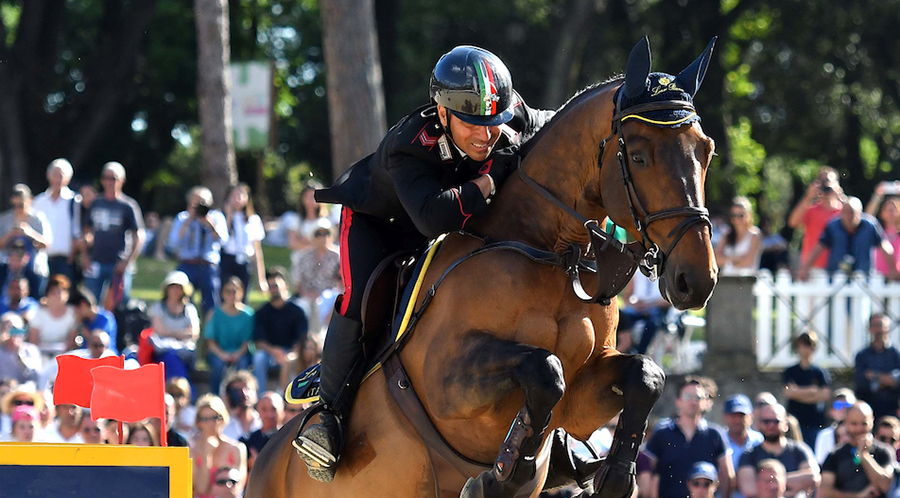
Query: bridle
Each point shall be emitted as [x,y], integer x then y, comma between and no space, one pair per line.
[649,256]
[653,262]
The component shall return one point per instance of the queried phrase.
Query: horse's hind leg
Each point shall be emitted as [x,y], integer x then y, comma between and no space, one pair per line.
[641,384]
[539,374]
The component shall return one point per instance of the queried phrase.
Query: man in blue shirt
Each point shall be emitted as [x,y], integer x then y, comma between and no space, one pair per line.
[678,443]
[850,239]
[197,236]
[18,300]
[878,369]
[91,318]
[115,232]
[737,416]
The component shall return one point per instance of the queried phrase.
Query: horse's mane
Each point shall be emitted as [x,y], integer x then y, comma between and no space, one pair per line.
[579,96]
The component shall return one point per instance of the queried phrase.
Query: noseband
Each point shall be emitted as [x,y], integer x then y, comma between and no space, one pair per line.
[649,257]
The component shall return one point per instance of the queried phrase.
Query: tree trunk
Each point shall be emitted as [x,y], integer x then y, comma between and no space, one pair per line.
[218,169]
[355,95]
[569,48]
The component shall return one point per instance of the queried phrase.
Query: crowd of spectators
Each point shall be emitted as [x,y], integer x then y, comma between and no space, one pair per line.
[835,232]
[67,262]
[819,441]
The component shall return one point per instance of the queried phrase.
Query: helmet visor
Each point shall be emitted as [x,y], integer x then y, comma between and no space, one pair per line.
[495,120]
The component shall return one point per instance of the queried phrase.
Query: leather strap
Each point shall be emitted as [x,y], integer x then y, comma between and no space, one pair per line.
[448,465]
[405,395]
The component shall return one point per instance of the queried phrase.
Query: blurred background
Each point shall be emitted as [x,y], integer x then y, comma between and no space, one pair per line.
[795,84]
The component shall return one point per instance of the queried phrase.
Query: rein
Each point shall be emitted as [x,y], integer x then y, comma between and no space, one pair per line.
[650,258]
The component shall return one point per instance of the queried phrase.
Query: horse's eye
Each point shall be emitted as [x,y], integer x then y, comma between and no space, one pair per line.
[637,158]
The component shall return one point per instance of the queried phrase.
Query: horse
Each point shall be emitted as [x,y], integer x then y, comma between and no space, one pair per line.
[507,355]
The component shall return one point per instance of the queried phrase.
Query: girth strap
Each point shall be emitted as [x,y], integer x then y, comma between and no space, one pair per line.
[443,456]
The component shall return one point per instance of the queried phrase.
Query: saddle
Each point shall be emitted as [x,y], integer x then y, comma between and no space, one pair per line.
[385,297]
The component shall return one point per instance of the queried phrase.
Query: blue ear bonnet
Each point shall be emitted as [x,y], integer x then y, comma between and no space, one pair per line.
[662,87]
[642,87]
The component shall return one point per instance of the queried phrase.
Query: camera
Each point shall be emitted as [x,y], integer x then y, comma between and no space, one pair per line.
[235,397]
[890,188]
[202,209]
[826,189]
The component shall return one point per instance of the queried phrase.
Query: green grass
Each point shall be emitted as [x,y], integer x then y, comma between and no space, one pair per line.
[151,272]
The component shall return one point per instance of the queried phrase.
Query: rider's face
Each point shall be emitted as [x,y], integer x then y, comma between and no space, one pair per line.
[475,141]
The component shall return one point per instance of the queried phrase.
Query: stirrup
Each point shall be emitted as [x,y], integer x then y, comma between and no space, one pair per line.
[312,452]
[320,461]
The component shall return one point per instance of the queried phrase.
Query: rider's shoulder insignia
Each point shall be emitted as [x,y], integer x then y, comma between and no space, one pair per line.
[444,148]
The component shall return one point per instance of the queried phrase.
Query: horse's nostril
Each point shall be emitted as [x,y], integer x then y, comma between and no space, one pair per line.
[681,285]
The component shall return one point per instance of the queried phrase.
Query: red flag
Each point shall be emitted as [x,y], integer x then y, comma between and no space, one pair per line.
[129,395]
[74,382]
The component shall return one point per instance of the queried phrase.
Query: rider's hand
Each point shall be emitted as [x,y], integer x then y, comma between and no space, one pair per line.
[484,184]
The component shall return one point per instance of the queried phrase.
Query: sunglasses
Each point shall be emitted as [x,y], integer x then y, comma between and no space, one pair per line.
[769,421]
[210,419]
[887,439]
[738,215]
[226,482]
[20,402]
[321,234]
[700,483]
[693,397]
[840,405]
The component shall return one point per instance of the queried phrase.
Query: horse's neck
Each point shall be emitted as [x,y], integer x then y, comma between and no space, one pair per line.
[564,163]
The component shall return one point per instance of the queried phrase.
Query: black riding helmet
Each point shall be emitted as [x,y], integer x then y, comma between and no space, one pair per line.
[474,85]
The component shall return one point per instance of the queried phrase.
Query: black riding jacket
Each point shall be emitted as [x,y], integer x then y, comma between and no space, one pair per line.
[419,180]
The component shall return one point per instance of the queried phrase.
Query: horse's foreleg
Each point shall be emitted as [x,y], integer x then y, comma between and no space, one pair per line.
[539,374]
[641,385]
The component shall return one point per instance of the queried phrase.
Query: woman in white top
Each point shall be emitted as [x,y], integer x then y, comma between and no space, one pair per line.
[245,232]
[54,325]
[300,235]
[740,249]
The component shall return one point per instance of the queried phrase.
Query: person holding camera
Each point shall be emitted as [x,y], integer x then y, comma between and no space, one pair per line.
[849,240]
[197,236]
[885,202]
[821,203]
[241,393]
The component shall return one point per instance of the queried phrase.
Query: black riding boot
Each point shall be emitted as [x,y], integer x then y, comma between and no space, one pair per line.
[320,445]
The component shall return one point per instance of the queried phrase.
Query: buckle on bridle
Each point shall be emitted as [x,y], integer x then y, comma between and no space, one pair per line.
[650,263]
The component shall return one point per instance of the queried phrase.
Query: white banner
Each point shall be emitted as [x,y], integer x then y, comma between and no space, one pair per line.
[251,89]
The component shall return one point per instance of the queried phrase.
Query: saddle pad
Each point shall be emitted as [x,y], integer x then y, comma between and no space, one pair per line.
[411,293]
[305,387]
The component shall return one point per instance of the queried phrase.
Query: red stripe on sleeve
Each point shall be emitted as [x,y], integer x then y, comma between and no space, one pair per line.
[459,200]
[346,221]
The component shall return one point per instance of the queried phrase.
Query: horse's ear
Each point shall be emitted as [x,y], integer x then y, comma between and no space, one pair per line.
[693,75]
[637,69]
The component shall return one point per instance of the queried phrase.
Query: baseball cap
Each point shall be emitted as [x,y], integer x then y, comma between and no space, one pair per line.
[703,470]
[738,403]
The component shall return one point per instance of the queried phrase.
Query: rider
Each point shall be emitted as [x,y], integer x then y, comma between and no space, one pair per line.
[435,169]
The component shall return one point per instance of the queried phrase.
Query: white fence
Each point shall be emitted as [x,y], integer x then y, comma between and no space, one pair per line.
[837,309]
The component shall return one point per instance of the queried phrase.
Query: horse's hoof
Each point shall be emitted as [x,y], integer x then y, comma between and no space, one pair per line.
[476,486]
[316,449]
